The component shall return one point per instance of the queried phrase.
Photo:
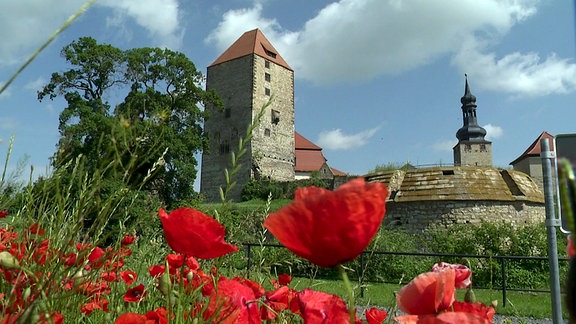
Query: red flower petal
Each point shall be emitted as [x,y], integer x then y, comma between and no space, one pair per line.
[375,315]
[3,213]
[320,307]
[342,221]
[134,295]
[127,240]
[284,279]
[129,276]
[232,302]
[429,293]
[131,318]
[477,308]
[463,274]
[193,233]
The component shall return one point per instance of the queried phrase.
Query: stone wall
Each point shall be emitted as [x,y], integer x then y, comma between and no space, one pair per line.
[473,153]
[245,85]
[272,146]
[419,215]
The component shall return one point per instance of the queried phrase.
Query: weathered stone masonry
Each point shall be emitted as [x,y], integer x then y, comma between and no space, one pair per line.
[443,196]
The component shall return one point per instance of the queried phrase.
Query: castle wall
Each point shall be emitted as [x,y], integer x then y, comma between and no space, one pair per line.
[246,85]
[233,82]
[272,145]
[419,215]
[473,153]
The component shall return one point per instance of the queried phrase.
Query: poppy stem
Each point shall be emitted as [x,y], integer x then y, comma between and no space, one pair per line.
[348,286]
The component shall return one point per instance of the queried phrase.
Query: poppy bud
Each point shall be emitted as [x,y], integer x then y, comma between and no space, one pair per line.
[470,297]
[8,261]
[164,284]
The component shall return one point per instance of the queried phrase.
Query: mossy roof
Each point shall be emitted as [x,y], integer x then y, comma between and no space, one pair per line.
[458,183]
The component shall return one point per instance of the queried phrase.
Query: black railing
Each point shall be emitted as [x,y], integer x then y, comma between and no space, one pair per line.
[502,259]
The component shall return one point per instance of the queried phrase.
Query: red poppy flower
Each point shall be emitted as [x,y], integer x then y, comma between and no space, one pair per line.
[342,222]
[284,279]
[477,308]
[3,213]
[375,315]
[232,302]
[96,303]
[463,274]
[131,318]
[127,240]
[134,295]
[128,276]
[321,307]
[428,293]
[193,233]
[175,260]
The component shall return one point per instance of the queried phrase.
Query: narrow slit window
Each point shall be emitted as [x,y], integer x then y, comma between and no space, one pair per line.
[275,117]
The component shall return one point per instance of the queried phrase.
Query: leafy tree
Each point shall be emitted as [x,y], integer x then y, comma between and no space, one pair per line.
[159,119]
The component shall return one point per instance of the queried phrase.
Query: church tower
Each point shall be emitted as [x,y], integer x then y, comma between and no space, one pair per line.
[247,76]
[472,148]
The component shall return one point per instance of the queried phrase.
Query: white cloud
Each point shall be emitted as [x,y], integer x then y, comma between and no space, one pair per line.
[36,85]
[235,22]
[336,140]
[26,24]
[160,18]
[445,145]
[516,73]
[358,40]
[355,40]
[493,132]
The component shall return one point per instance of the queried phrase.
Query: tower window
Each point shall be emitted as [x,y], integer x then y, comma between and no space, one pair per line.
[227,112]
[267,64]
[275,117]
[483,148]
[468,148]
[267,77]
[224,148]
[267,132]
[268,51]
[267,91]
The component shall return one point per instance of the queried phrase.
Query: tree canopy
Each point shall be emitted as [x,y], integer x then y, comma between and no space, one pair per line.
[138,107]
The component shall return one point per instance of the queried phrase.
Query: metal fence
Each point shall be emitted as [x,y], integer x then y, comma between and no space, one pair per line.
[503,260]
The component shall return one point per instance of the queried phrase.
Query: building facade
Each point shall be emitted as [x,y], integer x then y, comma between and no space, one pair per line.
[253,80]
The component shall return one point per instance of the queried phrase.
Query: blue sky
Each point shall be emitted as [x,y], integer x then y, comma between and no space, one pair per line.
[377,81]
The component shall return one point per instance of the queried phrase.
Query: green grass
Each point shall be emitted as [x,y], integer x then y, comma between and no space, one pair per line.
[250,206]
[519,304]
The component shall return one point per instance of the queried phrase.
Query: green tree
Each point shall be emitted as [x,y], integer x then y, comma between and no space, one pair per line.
[159,118]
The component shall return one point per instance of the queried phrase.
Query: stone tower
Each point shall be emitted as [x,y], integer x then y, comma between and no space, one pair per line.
[472,149]
[247,76]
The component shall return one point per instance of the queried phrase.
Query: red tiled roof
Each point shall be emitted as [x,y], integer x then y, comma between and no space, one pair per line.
[337,172]
[301,143]
[534,148]
[309,157]
[309,160]
[252,42]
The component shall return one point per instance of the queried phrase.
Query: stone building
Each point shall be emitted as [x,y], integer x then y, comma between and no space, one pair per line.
[472,148]
[530,161]
[249,76]
[469,192]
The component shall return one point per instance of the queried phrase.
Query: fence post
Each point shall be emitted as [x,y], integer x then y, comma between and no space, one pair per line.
[552,222]
[503,267]
[249,255]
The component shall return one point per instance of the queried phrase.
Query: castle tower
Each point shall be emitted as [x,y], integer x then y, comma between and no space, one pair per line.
[249,74]
[472,148]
